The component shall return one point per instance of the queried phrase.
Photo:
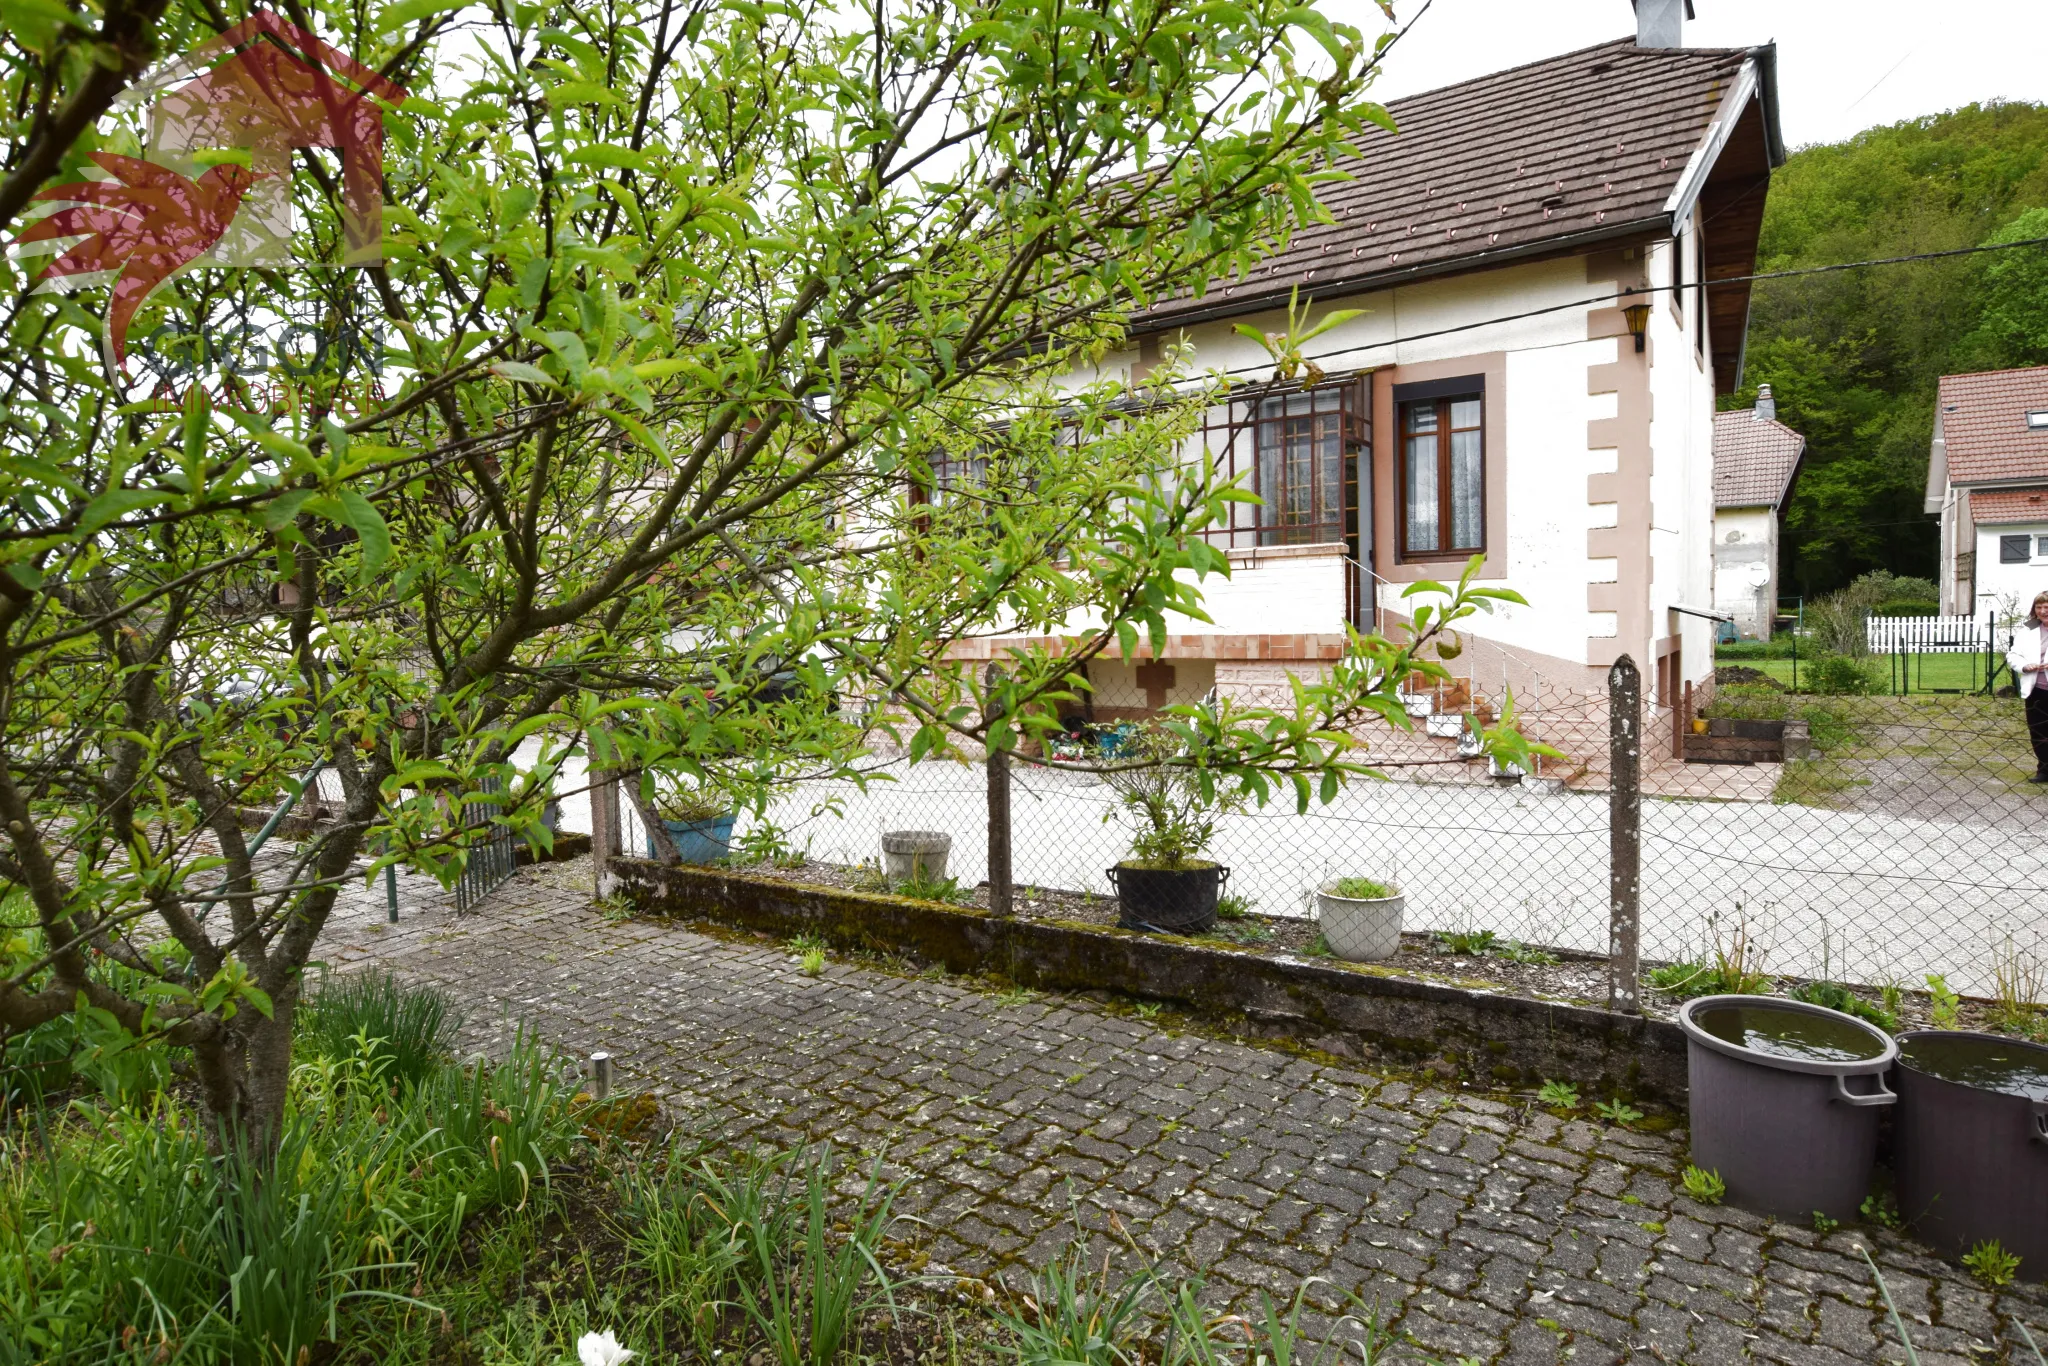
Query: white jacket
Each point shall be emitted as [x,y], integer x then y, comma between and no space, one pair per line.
[2029,649]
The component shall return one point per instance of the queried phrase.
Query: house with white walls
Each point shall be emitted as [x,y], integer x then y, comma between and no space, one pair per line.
[1987,479]
[1756,458]
[1532,378]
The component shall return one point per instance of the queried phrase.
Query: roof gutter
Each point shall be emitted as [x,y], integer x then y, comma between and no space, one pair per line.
[1363,284]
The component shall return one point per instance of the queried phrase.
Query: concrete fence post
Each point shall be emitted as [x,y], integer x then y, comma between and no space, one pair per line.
[1625,843]
[1000,896]
[605,831]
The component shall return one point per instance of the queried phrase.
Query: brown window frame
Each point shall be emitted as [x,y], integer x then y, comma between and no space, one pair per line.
[1441,402]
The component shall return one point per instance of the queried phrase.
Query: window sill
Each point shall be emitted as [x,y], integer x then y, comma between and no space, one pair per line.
[1252,555]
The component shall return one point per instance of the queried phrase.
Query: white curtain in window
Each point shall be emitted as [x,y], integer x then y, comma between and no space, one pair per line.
[1421,478]
[1466,531]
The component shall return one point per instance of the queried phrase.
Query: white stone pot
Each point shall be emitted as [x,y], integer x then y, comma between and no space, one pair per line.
[919,854]
[1445,725]
[1360,929]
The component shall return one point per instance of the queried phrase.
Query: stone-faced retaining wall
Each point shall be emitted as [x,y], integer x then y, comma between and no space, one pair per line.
[1354,1010]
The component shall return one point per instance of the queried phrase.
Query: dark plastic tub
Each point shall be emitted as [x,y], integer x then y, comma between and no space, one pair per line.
[1785,1099]
[1972,1138]
[1168,900]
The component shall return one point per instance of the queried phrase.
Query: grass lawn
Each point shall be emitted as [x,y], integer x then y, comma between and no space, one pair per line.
[1925,673]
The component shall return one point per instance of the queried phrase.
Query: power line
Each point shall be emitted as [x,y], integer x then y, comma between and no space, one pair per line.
[1701,285]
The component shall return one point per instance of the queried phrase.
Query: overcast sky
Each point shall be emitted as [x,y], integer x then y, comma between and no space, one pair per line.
[1843,65]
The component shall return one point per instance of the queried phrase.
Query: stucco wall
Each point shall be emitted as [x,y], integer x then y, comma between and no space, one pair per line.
[2010,586]
[1746,542]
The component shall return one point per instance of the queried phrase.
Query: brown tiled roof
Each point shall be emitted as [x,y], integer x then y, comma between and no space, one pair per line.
[1984,425]
[2005,506]
[1754,459]
[1583,147]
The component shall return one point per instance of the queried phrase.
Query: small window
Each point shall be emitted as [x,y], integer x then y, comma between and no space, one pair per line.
[2038,419]
[2015,549]
[2041,546]
[1443,475]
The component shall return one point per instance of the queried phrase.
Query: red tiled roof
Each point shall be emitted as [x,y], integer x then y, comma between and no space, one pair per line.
[1754,459]
[1984,425]
[2005,506]
[1583,147]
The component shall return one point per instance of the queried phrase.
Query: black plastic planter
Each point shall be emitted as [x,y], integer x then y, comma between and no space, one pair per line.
[1784,1102]
[1972,1140]
[1168,900]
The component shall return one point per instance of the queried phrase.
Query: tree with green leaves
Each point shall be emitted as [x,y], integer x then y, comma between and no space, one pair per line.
[711,369]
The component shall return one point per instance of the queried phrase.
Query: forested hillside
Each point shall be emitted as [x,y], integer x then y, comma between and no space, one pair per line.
[1853,357]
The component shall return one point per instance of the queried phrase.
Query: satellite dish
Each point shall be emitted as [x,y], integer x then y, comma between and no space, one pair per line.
[1758,574]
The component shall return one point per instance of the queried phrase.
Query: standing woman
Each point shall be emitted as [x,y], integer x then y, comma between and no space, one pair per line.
[2028,659]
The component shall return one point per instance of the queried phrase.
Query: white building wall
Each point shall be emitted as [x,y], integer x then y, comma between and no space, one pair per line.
[2010,587]
[1681,476]
[1746,567]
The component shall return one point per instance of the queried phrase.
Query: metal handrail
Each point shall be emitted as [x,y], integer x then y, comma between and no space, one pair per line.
[269,828]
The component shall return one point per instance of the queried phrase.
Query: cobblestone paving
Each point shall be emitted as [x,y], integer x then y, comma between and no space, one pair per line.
[1490,1229]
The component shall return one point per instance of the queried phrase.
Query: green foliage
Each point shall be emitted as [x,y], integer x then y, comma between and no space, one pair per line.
[1838,676]
[1883,1210]
[1515,951]
[812,962]
[1946,1006]
[1618,1111]
[1707,1187]
[1835,996]
[806,1305]
[1469,943]
[918,887]
[1559,1095]
[1990,1263]
[1853,357]
[1823,1224]
[120,1224]
[407,1031]
[1076,1314]
[1234,906]
[1362,889]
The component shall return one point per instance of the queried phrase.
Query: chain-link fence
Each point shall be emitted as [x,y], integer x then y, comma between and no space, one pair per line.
[1862,839]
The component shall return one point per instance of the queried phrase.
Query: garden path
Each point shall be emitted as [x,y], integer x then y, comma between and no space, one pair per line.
[1486,1227]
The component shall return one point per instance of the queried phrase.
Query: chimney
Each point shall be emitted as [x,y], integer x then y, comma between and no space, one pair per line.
[1661,23]
[1766,406]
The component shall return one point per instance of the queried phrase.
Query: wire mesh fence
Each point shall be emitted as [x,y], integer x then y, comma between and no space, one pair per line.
[1862,839]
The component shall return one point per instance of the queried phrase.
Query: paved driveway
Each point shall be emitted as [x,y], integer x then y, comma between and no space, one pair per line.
[1486,1228]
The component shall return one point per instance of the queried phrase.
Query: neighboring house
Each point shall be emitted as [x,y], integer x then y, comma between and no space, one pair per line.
[1987,478]
[1756,458]
[1507,392]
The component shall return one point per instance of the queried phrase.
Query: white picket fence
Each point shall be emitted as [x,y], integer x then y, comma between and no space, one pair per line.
[1930,635]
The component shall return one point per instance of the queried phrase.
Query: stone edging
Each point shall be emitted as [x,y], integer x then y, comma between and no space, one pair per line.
[1358,1011]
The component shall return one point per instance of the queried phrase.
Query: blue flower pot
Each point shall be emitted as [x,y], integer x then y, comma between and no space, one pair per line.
[698,841]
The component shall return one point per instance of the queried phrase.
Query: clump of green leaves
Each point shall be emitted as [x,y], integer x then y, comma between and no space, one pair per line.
[1883,1210]
[1234,906]
[812,962]
[1824,1224]
[1515,951]
[1559,1095]
[1990,1263]
[1618,1111]
[1835,996]
[1171,801]
[918,887]
[1362,889]
[1467,943]
[1705,1186]
[1945,1005]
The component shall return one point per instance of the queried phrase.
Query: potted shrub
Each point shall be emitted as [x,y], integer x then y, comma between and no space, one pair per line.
[1165,884]
[698,820]
[1360,918]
